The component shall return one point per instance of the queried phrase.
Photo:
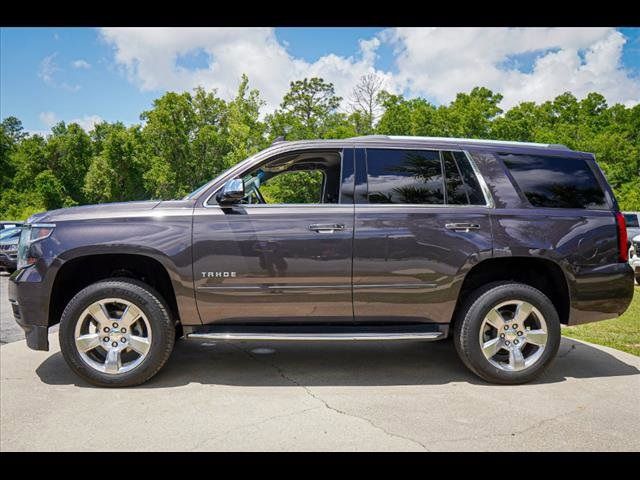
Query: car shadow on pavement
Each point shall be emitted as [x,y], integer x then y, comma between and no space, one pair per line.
[337,364]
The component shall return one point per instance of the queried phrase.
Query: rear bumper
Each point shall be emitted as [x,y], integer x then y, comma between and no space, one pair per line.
[29,299]
[601,293]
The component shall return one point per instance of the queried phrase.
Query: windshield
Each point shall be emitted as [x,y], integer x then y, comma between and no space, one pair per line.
[9,233]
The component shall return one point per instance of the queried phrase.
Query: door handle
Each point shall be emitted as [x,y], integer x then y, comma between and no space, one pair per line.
[326,227]
[462,227]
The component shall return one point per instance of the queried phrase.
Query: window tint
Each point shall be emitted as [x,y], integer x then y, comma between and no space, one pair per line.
[631,219]
[556,182]
[404,176]
[472,186]
[456,191]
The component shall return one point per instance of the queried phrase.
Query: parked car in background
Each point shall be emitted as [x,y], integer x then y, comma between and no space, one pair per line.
[634,256]
[7,224]
[632,220]
[400,238]
[9,248]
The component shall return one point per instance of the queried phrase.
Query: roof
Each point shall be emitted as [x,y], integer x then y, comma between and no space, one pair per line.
[469,141]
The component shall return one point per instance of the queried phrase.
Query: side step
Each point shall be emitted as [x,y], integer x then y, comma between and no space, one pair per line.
[324,333]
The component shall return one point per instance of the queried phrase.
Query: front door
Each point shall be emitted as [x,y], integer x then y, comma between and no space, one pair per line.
[285,253]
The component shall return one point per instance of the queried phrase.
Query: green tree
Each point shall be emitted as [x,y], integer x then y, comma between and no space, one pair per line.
[245,133]
[68,154]
[11,133]
[51,191]
[308,109]
[115,172]
[406,117]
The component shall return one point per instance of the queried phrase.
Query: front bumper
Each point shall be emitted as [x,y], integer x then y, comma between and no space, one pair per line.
[29,299]
[635,264]
[8,261]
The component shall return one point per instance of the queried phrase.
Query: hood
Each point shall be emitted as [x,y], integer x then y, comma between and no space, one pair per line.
[102,210]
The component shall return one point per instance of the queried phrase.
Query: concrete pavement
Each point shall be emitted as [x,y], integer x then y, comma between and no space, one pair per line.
[321,396]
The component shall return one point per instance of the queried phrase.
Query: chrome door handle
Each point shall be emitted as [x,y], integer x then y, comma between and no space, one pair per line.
[326,227]
[462,227]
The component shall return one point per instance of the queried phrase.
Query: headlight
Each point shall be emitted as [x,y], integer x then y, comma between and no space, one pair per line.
[29,235]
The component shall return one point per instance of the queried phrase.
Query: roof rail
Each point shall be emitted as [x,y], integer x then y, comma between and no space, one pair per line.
[478,141]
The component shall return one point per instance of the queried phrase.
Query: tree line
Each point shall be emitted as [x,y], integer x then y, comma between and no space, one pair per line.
[188,138]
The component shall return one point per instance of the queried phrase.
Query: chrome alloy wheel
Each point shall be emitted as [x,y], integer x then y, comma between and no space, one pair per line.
[113,336]
[513,335]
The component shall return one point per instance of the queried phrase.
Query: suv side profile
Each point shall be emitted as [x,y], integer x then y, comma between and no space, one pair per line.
[496,244]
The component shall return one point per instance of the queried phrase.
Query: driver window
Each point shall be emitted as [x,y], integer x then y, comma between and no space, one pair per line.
[299,178]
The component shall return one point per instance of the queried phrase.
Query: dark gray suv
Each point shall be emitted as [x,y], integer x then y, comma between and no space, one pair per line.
[493,243]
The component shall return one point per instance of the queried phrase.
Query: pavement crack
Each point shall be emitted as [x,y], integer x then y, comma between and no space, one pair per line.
[315,396]
[252,424]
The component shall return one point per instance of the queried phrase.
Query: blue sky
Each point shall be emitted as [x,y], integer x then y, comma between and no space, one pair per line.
[88,74]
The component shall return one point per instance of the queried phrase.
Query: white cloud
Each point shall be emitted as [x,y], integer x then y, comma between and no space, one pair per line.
[87,122]
[440,62]
[49,119]
[81,64]
[148,56]
[432,62]
[48,70]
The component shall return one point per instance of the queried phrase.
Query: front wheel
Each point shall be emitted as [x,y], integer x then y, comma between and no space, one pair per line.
[116,333]
[507,332]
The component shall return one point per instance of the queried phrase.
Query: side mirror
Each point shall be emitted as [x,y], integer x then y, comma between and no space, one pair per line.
[232,192]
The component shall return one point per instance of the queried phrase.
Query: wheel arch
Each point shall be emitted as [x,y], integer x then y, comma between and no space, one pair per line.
[82,270]
[544,274]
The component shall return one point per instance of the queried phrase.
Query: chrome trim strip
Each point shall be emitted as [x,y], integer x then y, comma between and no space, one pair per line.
[41,225]
[401,285]
[478,141]
[414,205]
[318,336]
[275,287]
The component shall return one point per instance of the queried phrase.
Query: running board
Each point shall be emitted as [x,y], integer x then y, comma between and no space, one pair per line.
[324,334]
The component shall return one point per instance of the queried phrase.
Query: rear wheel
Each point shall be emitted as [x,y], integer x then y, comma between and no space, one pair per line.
[116,333]
[507,332]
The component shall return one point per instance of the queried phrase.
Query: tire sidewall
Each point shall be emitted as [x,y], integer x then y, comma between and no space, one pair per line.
[148,302]
[467,339]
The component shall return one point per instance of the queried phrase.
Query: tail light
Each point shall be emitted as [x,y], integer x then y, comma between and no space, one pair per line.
[623,251]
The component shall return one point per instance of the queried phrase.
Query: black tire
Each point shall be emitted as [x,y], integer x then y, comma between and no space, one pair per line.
[469,320]
[155,310]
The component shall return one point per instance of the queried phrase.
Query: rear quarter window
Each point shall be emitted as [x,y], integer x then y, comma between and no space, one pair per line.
[556,182]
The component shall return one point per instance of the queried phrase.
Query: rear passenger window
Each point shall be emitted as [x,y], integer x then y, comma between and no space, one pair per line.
[456,193]
[405,176]
[462,185]
[555,182]
[472,186]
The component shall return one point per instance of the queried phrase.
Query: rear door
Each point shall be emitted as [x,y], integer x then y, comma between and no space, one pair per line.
[422,221]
